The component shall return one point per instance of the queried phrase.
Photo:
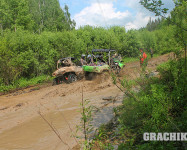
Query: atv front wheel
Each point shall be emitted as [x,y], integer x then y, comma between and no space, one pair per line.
[55,81]
[116,69]
[72,78]
[90,75]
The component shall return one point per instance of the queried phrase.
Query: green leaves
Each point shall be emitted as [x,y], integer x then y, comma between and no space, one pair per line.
[15,14]
[161,107]
[154,6]
[35,16]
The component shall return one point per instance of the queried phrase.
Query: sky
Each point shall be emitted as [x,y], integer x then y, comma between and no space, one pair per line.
[105,13]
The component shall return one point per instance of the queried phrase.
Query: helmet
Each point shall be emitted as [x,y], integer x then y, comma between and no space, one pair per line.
[89,56]
[83,55]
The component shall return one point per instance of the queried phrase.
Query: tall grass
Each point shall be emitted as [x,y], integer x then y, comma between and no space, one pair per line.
[130,59]
[133,59]
[25,82]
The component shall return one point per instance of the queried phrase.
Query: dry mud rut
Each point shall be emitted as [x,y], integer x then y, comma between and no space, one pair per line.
[21,127]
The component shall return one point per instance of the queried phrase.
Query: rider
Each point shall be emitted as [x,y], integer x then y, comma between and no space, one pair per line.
[143,59]
[151,52]
[82,60]
[89,59]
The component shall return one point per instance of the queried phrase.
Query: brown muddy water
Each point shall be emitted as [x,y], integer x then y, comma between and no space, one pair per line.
[35,134]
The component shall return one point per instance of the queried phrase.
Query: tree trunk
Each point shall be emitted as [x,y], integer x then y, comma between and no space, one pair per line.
[185,57]
[43,14]
[1,28]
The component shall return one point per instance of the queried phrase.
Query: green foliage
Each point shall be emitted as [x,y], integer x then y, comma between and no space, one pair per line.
[178,16]
[154,6]
[26,55]
[86,126]
[177,19]
[24,82]
[15,14]
[101,139]
[37,15]
[131,44]
[147,39]
[161,107]
[161,40]
[130,59]
[154,24]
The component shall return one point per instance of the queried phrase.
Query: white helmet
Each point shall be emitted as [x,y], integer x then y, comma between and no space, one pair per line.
[83,55]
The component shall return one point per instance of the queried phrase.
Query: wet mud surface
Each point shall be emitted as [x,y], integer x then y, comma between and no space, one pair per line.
[21,127]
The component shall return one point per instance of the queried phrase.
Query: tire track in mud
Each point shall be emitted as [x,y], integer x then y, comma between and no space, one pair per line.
[18,110]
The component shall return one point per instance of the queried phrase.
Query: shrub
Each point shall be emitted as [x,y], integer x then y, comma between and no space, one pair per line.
[161,107]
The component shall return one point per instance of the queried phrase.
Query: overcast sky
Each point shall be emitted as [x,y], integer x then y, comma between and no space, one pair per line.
[127,13]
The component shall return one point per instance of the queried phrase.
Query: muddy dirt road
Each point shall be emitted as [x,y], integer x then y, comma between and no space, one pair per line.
[21,127]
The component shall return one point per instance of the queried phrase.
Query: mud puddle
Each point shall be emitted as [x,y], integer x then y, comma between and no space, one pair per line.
[36,133]
[106,113]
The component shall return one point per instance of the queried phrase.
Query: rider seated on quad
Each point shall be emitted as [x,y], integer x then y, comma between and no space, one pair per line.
[64,63]
[116,57]
[89,59]
[82,60]
[60,64]
[113,58]
[68,62]
[100,59]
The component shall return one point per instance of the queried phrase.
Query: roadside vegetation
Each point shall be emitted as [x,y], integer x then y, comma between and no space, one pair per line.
[132,59]
[158,106]
[25,82]
[31,41]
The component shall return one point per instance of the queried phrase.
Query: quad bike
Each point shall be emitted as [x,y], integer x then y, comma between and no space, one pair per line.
[117,65]
[113,63]
[67,71]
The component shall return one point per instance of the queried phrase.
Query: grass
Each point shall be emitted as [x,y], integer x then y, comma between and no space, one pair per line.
[130,59]
[24,82]
[133,59]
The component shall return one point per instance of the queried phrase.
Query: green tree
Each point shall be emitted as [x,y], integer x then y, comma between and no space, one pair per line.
[147,39]
[178,18]
[131,44]
[15,14]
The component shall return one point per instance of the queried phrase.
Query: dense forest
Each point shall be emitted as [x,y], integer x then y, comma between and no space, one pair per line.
[35,34]
[35,16]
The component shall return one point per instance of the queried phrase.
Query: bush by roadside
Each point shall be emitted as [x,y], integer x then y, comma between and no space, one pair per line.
[25,82]
[159,106]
